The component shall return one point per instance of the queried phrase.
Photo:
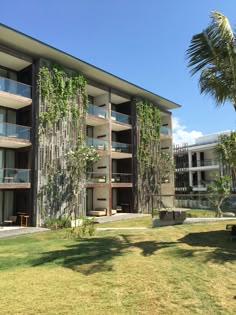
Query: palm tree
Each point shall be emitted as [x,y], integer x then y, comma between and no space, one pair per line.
[226,152]
[213,53]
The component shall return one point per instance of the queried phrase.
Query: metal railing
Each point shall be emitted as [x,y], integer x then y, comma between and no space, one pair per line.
[121,178]
[207,162]
[121,147]
[97,143]
[96,178]
[13,175]
[119,117]
[14,87]
[14,131]
[97,111]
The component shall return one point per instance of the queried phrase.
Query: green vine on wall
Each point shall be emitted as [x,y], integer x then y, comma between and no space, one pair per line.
[153,165]
[59,91]
[63,104]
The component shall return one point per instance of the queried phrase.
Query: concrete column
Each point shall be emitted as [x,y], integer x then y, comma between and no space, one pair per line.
[199,178]
[191,179]
[190,159]
[198,159]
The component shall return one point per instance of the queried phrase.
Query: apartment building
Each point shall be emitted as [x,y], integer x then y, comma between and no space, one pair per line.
[195,164]
[111,184]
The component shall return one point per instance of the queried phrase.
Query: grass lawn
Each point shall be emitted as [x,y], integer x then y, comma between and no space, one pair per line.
[183,269]
[146,221]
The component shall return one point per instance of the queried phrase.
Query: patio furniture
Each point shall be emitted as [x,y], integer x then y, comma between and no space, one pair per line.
[11,220]
[22,217]
[26,217]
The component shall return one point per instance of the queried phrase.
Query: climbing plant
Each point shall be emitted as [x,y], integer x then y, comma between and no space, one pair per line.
[63,153]
[154,166]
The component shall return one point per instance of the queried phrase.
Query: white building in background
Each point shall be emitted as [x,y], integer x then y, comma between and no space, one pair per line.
[194,164]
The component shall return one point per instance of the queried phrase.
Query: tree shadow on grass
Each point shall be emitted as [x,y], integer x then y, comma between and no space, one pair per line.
[93,255]
[216,245]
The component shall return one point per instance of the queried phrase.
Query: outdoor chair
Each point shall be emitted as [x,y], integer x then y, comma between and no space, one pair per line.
[12,219]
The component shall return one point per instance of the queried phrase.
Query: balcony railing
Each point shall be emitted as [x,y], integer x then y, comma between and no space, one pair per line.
[14,131]
[15,176]
[97,111]
[121,147]
[165,130]
[96,178]
[97,143]
[121,178]
[14,87]
[121,118]
[210,162]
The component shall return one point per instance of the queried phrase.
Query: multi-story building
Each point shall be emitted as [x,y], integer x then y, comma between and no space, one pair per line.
[196,164]
[110,128]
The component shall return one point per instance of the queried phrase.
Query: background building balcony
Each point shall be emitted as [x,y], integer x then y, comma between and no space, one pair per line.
[203,163]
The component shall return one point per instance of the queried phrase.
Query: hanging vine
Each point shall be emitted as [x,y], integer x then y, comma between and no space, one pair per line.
[63,153]
[153,165]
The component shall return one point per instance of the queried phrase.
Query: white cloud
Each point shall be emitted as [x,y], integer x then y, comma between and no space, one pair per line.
[181,135]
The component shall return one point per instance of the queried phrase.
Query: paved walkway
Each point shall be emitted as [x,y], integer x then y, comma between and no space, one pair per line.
[120,216]
[14,231]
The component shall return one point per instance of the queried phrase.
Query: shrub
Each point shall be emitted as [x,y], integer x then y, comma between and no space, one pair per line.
[57,223]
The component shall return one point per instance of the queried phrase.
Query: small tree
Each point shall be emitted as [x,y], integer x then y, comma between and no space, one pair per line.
[226,152]
[218,190]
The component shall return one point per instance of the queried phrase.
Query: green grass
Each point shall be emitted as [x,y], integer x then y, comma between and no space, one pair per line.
[184,269]
[147,222]
[136,222]
[200,213]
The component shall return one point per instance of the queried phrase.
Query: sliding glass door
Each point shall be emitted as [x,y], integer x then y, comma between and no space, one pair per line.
[6,204]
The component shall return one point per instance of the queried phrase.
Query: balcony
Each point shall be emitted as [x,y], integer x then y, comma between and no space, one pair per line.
[11,178]
[121,150]
[120,121]
[97,143]
[165,131]
[14,136]
[210,163]
[121,179]
[96,178]
[96,115]
[14,94]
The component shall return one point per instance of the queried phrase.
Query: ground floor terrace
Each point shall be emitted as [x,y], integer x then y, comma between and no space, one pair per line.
[102,200]
[15,207]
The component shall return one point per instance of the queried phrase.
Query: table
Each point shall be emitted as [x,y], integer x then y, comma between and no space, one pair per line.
[22,215]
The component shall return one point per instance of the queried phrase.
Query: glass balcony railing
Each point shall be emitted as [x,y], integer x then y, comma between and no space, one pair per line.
[14,131]
[209,162]
[121,178]
[96,178]
[121,147]
[165,130]
[15,176]
[97,111]
[120,118]
[97,143]
[14,87]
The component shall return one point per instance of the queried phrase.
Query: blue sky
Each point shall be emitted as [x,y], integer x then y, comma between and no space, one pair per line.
[142,41]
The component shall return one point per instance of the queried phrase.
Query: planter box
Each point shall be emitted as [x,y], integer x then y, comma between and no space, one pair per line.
[76,223]
[166,215]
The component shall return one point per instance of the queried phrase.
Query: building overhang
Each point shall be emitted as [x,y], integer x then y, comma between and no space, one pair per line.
[37,49]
